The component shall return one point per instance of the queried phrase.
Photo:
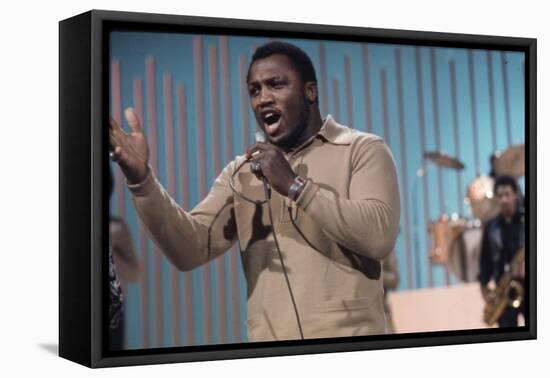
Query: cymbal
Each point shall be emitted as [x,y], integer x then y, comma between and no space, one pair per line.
[444,160]
[511,161]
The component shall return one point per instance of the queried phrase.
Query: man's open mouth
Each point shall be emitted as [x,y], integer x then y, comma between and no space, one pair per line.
[271,120]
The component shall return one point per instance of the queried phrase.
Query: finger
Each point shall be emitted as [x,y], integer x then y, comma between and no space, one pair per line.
[257,172]
[249,150]
[115,154]
[113,143]
[121,157]
[255,156]
[117,137]
[258,146]
[133,120]
[114,126]
[259,176]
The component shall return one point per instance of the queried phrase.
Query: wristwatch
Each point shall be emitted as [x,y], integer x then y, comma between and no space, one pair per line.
[296,187]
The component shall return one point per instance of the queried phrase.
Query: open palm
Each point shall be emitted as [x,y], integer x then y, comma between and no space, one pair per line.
[129,150]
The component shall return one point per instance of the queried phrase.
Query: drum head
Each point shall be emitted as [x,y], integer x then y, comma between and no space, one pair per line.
[465,253]
[480,197]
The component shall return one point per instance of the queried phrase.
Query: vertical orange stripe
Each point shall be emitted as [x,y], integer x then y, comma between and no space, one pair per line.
[504,66]
[214,113]
[492,104]
[244,102]
[435,106]
[199,96]
[385,111]
[324,81]
[213,79]
[184,174]
[152,121]
[233,257]
[404,175]
[456,133]
[171,181]
[224,56]
[117,115]
[422,129]
[144,273]
[119,178]
[366,73]
[349,97]
[473,106]
[336,99]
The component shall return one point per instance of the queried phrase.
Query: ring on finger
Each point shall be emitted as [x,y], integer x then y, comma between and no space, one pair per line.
[256,166]
[112,156]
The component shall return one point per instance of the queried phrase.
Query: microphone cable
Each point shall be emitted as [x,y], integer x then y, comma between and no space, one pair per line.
[267,194]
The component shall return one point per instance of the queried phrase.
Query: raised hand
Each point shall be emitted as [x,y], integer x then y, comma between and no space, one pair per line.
[129,150]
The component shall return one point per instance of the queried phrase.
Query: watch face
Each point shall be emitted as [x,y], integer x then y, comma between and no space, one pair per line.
[295,187]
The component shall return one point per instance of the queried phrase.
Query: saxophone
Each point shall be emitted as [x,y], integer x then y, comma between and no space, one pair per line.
[508,292]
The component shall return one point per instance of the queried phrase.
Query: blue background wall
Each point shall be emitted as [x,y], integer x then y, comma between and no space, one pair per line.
[409,91]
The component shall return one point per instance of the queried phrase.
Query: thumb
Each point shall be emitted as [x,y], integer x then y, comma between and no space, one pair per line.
[133,120]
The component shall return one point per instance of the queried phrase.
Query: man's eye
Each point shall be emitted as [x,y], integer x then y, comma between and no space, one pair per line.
[253,91]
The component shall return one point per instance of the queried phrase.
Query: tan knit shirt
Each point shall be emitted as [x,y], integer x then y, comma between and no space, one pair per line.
[332,238]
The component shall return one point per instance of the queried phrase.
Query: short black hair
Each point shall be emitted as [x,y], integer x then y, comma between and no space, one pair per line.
[505,180]
[297,57]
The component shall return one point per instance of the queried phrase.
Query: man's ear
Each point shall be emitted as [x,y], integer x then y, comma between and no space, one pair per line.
[311,91]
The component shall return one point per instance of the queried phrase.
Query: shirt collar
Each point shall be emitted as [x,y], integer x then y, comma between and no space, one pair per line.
[331,131]
[516,218]
[334,132]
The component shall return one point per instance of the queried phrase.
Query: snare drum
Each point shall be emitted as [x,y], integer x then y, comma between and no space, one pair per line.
[444,231]
[465,253]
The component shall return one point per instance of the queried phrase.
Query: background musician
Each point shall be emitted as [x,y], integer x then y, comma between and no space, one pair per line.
[502,237]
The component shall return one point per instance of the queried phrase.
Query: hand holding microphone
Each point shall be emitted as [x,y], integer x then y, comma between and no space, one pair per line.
[268,161]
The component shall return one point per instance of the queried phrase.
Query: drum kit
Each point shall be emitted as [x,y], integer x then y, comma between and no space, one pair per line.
[456,241]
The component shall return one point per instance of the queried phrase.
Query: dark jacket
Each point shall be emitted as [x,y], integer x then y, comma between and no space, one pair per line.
[500,242]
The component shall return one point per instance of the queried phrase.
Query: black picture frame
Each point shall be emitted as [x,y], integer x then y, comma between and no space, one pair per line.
[83,196]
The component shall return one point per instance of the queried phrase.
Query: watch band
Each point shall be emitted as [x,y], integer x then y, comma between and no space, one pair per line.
[294,190]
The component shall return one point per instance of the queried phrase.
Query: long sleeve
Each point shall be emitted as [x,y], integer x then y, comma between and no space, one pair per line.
[390,274]
[486,265]
[188,239]
[368,221]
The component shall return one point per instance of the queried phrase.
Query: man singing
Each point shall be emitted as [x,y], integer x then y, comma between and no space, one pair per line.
[315,270]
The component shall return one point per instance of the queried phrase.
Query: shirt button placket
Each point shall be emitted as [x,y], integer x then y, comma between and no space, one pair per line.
[285,200]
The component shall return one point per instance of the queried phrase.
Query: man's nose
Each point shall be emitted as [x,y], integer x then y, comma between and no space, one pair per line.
[265,96]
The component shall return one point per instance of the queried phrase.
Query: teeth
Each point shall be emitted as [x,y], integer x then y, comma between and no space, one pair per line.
[269,117]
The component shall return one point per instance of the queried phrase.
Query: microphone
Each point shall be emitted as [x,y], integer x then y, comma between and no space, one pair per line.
[261,137]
